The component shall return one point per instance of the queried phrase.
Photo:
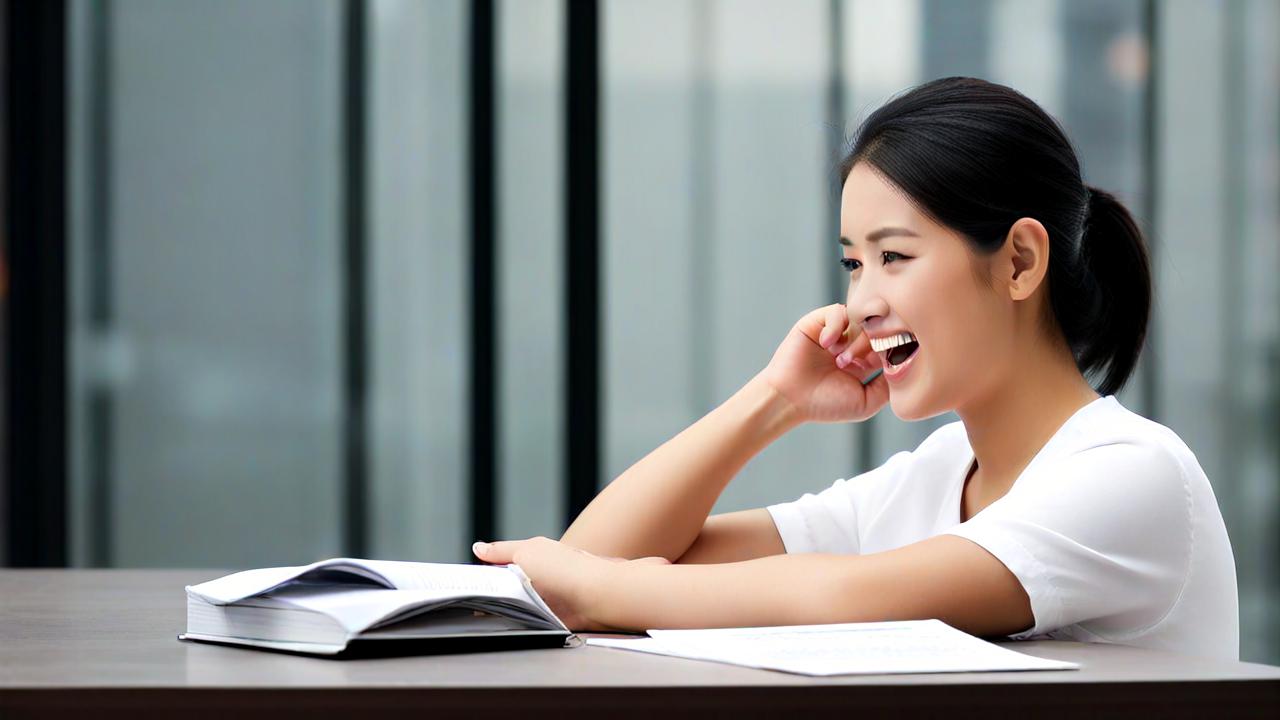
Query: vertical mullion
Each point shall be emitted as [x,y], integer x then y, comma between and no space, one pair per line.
[483,262]
[355,336]
[35,232]
[836,145]
[582,252]
[1151,173]
[101,310]
[1233,441]
[5,344]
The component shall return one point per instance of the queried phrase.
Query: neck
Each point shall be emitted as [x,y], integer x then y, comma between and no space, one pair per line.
[1008,425]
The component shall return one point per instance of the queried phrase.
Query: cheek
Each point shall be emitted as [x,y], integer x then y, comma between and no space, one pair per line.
[961,328]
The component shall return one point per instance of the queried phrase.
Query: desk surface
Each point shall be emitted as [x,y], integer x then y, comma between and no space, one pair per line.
[107,639]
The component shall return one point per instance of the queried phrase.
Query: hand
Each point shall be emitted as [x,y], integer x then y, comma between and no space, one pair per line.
[820,366]
[567,578]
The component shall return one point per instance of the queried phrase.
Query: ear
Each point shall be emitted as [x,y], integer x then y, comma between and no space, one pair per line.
[1026,258]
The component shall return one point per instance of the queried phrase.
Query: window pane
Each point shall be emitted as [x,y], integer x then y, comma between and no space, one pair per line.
[530,258]
[207,426]
[419,239]
[716,222]
[1216,352]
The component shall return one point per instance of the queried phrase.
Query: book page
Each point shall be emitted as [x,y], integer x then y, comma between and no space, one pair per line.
[237,586]
[507,581]
[356,609]
[450,577]
[442,579]
[913,646]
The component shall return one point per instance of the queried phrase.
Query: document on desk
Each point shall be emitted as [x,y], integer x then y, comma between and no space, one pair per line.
[874,648]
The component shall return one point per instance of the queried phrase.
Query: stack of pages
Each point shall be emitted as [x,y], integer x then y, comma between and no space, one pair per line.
[872,648]
[337,606]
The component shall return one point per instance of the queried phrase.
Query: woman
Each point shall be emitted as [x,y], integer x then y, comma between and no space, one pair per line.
[986,278]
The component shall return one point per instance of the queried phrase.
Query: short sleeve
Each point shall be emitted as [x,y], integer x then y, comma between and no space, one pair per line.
[1101,535]
[828,521]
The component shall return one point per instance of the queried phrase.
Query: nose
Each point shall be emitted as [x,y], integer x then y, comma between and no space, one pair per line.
[865,303]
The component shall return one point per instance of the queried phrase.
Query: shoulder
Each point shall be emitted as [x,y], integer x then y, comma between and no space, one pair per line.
[1110,441]
[1115,482]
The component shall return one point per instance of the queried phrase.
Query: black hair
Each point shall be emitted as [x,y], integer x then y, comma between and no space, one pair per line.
[976,157]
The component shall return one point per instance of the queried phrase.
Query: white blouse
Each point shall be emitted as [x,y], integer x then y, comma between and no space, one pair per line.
[1113,529]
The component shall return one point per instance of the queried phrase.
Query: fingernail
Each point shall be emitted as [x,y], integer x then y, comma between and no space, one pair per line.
[480,548]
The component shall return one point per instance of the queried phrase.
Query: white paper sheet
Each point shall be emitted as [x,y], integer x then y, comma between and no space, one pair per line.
[912,646]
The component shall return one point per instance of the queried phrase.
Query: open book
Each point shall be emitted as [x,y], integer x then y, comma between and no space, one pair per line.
[348,606]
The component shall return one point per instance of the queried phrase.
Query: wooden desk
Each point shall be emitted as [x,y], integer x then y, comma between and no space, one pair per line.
[104,640]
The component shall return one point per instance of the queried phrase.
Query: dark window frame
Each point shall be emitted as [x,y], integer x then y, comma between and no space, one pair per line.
[35,308]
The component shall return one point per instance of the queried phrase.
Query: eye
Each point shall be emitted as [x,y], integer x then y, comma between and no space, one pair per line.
[888,255]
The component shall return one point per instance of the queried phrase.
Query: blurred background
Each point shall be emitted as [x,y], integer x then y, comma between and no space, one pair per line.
[291,279]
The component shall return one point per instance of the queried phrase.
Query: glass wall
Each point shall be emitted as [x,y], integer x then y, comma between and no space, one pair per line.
[205,268]
[1217,332]
[418,350]
[717,195]
[207,185]
[530,260]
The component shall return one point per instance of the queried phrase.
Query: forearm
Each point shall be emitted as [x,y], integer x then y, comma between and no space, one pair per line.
[658,506]
[777,590]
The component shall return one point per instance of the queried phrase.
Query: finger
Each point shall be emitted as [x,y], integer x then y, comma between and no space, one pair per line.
[814,323]
[849,339]
[498,553]
[834,321]
[857,348]
[844,362]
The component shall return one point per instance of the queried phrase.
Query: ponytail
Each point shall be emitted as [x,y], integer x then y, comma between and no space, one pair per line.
[1101,299]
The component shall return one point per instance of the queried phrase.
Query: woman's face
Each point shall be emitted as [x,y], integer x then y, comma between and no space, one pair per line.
[912,275]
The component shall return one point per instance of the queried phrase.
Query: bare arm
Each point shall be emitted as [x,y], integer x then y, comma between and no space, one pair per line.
[735,536]
[944,577]
[659,506]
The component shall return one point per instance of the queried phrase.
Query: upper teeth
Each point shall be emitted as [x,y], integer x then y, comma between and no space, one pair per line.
[893,341]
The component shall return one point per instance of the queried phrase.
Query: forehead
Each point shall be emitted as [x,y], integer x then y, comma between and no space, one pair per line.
[868,201]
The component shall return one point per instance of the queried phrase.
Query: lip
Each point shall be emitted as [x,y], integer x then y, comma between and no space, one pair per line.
[896,374]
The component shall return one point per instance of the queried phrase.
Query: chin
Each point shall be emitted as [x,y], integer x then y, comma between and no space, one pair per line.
[912,405]
[904,409]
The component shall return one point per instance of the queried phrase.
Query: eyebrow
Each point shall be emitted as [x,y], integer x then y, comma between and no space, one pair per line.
[882,233]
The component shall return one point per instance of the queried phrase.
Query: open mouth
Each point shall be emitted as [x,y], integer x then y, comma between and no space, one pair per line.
[898,348]
[902,353]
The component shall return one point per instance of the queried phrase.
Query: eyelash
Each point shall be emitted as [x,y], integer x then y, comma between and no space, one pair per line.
[847,263]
